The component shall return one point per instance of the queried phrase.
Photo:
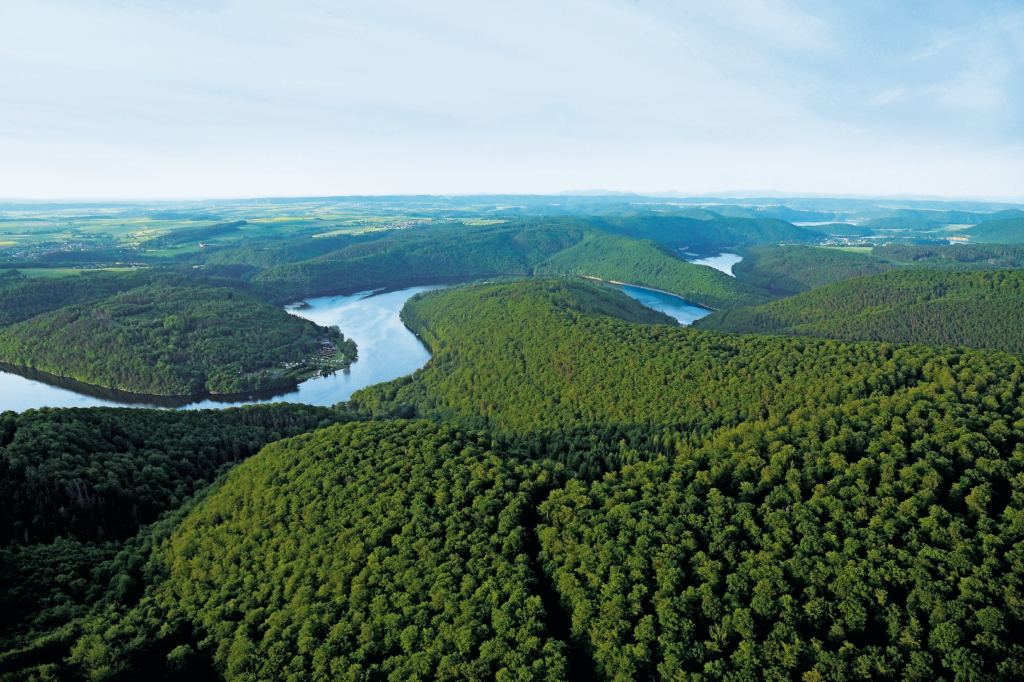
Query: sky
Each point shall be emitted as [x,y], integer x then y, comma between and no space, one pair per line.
[217,98]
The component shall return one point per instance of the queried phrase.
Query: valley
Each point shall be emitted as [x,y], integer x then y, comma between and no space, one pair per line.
[803,463]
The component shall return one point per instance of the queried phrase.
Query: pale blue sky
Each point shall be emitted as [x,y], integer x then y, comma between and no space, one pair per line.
[188,98]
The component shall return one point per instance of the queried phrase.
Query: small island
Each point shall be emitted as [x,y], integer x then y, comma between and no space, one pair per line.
[178,340]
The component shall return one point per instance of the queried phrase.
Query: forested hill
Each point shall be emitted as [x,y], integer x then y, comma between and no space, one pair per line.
[702,231]
[174,340]
[788,270]
[549,246]
[1004,231]
[647,263]
[650,502]
[269,254]
[76,487]
[955,256]
[25,299]
[981,309]
[428,254]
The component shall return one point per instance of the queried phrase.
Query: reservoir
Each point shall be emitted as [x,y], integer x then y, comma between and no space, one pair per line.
[387,350]
[673,306]
[723,262]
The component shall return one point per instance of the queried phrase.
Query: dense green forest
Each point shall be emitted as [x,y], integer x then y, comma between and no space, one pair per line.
[143,330]
[610,499]
[269,253]
[574,487]
[23,299]
[77,488]
[979,309]
[374,551]
[194,235]
[704,231]
[788,270]
[429,254]
[647,263]
[955,256]
[174,340]
[1004,231]
[550,246]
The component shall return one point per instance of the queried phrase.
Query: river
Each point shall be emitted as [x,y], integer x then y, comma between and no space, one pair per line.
[723,261]
[387,350]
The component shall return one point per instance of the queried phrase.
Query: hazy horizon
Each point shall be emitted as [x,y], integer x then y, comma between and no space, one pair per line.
[182,100]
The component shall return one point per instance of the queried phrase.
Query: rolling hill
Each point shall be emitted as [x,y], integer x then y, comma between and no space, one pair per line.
[981,309]
[593,495]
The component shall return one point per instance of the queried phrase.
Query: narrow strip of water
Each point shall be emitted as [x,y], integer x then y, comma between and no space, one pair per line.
[387,350]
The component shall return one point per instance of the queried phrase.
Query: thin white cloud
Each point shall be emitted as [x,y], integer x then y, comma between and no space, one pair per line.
[936,48]
[153,98]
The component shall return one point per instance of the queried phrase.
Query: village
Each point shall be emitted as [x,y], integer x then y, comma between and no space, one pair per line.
[327,360]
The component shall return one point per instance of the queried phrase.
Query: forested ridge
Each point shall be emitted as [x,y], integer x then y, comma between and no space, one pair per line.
[522,247]
[1003,231]
[954,257]
[424,253]
[647,263]
[175,330]
[172,341]
[979,309]
[574,487]
[788,270]
[23,299]
[701,231]
[601,496]
[77,490]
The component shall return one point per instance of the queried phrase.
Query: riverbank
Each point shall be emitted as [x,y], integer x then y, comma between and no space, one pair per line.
[640,286]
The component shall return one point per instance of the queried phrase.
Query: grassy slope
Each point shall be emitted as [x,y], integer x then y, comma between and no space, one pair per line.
[166,340]
[983,309]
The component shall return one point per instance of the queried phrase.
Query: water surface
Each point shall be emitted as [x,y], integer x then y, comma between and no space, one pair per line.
[387,350]
[674,306]
[723,262]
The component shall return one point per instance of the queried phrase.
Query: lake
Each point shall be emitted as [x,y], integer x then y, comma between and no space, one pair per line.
[387,350]
[723,262]
[673,306]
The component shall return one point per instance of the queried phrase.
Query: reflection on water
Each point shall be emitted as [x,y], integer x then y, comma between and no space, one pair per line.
[723,262]
[387,350]
[676,307]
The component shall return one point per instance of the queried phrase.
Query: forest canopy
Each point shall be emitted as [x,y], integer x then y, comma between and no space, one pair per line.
[173,340]
[979,309]
[705,506]
[575,487]
[789,270]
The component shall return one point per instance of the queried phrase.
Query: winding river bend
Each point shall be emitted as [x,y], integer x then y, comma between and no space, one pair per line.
[387,350]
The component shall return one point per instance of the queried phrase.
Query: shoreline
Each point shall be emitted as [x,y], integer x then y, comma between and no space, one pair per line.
[660,291]
[130,398]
